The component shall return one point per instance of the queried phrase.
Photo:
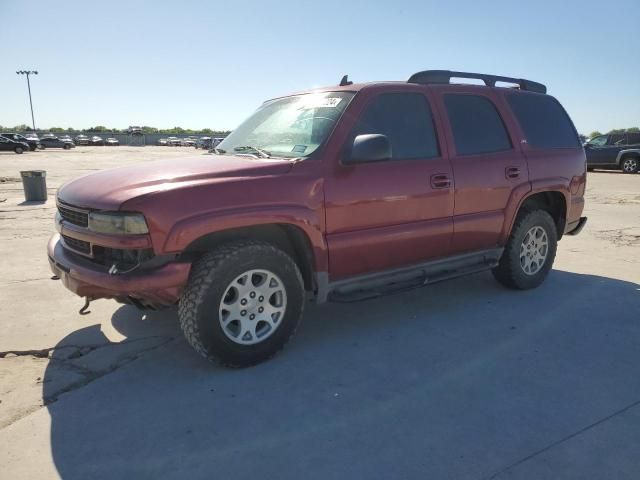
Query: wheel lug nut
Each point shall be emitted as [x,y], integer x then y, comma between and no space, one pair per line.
[243,313]
[261,299]
[252,316]
[252,294]
[260,310]
[243,302]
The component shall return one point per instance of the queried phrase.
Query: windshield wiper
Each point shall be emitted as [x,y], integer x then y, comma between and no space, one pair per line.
[246,148]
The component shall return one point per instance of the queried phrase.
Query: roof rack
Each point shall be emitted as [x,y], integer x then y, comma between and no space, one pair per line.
[444,77]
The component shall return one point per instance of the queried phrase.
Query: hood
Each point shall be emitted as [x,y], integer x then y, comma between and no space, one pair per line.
[107,190]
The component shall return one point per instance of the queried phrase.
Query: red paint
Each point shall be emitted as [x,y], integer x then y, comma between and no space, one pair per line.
[358,218]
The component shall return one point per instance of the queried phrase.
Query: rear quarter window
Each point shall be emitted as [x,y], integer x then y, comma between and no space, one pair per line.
[543,120]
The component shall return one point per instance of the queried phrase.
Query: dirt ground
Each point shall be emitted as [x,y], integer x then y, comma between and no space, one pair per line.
[458,380]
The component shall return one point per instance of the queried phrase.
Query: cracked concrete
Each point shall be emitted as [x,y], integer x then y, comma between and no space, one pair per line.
[459,380]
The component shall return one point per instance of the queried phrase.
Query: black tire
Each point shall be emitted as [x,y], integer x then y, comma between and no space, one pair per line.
[67,147]
[509,271]
[211,275]
[630,164]
[18,150]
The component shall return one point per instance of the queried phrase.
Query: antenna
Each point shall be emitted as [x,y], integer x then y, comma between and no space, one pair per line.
[345,81]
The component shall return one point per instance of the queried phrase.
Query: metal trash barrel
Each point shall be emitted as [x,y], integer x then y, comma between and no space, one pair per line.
[34,183]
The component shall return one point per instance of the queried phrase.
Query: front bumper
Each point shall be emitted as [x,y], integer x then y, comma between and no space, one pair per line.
[159,286]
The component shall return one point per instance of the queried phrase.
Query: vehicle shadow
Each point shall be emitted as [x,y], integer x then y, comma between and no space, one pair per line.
[456,380]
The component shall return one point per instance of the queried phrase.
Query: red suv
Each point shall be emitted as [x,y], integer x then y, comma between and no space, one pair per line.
[344,192]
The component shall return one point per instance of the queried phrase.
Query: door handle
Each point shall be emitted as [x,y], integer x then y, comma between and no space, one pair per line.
[440,180]
[512,172]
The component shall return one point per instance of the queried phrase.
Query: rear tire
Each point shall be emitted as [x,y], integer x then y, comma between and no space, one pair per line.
[530,251]
[630,164]
[18,150]
[240,324]
[67,147]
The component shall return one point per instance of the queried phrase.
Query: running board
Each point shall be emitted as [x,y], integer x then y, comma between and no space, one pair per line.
[399,280]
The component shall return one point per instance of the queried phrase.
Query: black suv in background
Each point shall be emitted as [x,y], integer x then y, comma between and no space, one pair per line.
[33,143]
[619,151]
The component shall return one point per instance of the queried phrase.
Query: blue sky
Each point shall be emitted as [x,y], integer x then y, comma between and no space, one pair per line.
[200,64]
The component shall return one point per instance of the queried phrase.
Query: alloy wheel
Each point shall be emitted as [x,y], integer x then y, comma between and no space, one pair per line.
[534,250]
[630,165]
[252,307]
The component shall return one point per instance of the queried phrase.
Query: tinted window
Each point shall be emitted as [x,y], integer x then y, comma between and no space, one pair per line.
[544,121]
[405,118]
[476,125]
[634,138]
[617,139]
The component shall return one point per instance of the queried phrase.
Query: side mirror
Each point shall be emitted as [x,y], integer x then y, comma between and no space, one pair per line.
[369,148]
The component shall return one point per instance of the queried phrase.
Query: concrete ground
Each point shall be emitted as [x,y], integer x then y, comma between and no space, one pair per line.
[460,380]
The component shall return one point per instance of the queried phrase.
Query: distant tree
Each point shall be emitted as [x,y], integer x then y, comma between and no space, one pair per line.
[22,128]
[633,130]
[56,129]
[616,130]
[593,134]
[148,130]
[100,128]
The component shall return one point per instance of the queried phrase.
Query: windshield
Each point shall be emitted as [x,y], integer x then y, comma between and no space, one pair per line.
[288,127]
[598,141]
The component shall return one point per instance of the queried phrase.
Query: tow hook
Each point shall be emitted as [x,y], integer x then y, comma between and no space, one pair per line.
[83,310]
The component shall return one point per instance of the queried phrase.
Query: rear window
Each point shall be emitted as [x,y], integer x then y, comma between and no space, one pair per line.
[544,121]
[476,125]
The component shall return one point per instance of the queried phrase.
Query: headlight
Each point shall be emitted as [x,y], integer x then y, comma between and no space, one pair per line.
[118,223]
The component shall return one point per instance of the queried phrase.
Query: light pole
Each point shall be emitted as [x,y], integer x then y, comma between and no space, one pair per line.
[27,73]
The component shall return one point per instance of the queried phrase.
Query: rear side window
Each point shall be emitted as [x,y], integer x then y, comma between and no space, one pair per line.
[634,138]
[543,121]
[476,125]
[406,120]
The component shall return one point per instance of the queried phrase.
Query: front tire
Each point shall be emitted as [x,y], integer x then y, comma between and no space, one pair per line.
[630,164]
[243,303]
[530,251]
[67,147]
[18,150]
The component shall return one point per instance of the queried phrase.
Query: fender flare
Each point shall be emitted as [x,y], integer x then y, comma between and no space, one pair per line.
[521,194]
[624,152]
[190,229]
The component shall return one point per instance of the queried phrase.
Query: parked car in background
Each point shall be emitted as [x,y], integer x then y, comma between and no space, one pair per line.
[173,142]
[32,136]
[162,142]
[112,142]
[188,142]
[396,185]
[66,138]
[81,140]
[203,142]
[33,144]
[9,144]
[137,131]
[49,135]
[55,142]
[214,143]
[96,140]
[615,151]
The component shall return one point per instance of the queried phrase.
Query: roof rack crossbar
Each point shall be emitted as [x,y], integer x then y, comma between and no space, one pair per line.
[444,77]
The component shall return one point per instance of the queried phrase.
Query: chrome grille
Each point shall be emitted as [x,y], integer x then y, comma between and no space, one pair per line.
[74,215]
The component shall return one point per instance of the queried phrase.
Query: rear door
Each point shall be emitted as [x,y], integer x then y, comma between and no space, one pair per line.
[487,164]
[391,213]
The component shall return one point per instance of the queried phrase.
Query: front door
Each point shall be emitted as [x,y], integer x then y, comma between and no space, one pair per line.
[391,213]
